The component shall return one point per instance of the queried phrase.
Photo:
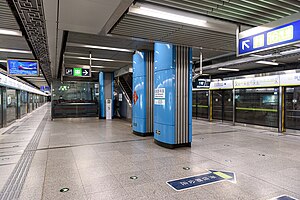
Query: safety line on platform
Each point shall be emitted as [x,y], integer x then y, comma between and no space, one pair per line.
[91,144]
[15,182]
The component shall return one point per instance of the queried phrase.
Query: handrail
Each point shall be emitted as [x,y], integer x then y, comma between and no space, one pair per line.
[126,83]
[125,93]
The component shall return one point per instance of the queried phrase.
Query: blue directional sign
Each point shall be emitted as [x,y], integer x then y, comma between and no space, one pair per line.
[273,38]
[45,88]
[284,197]
[213,176]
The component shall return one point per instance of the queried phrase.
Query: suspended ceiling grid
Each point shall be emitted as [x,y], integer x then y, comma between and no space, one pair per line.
[213,42]
[250,12]
[76,48]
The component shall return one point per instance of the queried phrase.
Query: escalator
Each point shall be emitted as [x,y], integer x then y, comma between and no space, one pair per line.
[124,90]
[125,82]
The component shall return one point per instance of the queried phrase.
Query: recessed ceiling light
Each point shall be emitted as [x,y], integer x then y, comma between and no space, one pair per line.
[100,47]
[166,15]
[10,32]
[267,62]
[228,69]
[98,59]
[104,67]
[14,51]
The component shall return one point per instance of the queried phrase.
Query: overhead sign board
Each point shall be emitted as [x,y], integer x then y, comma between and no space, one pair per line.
[256,82]
[221,85]
[273,38]
[78,71]
[19,67]
[45,88]
[290,79]
[201,83]
[211,177]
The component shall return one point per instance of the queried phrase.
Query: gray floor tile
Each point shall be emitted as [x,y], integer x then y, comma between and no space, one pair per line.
[95,159]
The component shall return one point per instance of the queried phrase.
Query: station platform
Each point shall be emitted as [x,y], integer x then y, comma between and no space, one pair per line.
[102,159]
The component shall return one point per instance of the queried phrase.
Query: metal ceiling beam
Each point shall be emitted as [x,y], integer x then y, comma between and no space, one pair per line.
[202,12]
[272,8]
[253,59]
[266,69]
[211,8]
[281,5]
[119,12]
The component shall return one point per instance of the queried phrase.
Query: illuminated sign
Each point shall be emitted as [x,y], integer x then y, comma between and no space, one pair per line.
[78,72]
[266,81]
[228,84]
[20,67]
[276,37]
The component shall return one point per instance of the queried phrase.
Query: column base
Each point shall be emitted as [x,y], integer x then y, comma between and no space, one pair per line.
[142,134]
[172,146]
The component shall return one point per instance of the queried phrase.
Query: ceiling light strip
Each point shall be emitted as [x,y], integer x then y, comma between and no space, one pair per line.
[14,51]
[170,16]
[228,69]
[100,47]
[267,62]
[98,59]
[10,32]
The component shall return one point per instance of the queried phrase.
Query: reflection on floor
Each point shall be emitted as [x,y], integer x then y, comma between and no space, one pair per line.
[95,160]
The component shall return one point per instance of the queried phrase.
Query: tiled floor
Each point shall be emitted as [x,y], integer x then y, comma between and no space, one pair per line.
[96,158]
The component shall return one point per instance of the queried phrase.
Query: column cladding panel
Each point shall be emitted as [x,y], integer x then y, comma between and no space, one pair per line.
[101,95]
[173,95]
[139,93]
[164,79]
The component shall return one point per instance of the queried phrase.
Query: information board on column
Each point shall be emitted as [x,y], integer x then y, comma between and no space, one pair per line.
[159,96]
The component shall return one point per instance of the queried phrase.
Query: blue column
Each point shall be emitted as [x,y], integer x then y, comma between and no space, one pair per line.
[172,95]
[139,94]
[101,96]
[112,93]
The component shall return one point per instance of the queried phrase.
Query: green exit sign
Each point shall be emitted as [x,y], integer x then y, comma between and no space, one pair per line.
[77,72]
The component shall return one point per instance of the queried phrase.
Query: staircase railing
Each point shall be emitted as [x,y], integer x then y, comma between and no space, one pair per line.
[128,99]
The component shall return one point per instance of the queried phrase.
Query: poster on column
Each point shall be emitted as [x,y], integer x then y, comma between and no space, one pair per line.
[159,96]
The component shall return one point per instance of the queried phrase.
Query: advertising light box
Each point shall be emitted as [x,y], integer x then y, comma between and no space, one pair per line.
[20,67]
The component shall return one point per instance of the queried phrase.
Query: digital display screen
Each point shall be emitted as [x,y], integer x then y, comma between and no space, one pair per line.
[201,83]
[270,99]
[23,67]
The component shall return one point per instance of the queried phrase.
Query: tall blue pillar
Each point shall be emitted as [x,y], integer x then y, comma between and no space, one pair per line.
[101,96]
[172,95]
[112,93]
[142,84]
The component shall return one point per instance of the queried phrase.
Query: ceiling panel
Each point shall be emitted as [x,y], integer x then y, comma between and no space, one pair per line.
[239,11]
[5,55]
[95,63]
[8,20]
[108,41]
[156,30]
[96,53]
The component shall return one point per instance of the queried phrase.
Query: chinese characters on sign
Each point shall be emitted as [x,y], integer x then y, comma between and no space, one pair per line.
[159,96]
[201,180]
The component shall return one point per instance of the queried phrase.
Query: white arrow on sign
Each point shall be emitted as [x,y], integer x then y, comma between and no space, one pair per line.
[85,72]
[244,44]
